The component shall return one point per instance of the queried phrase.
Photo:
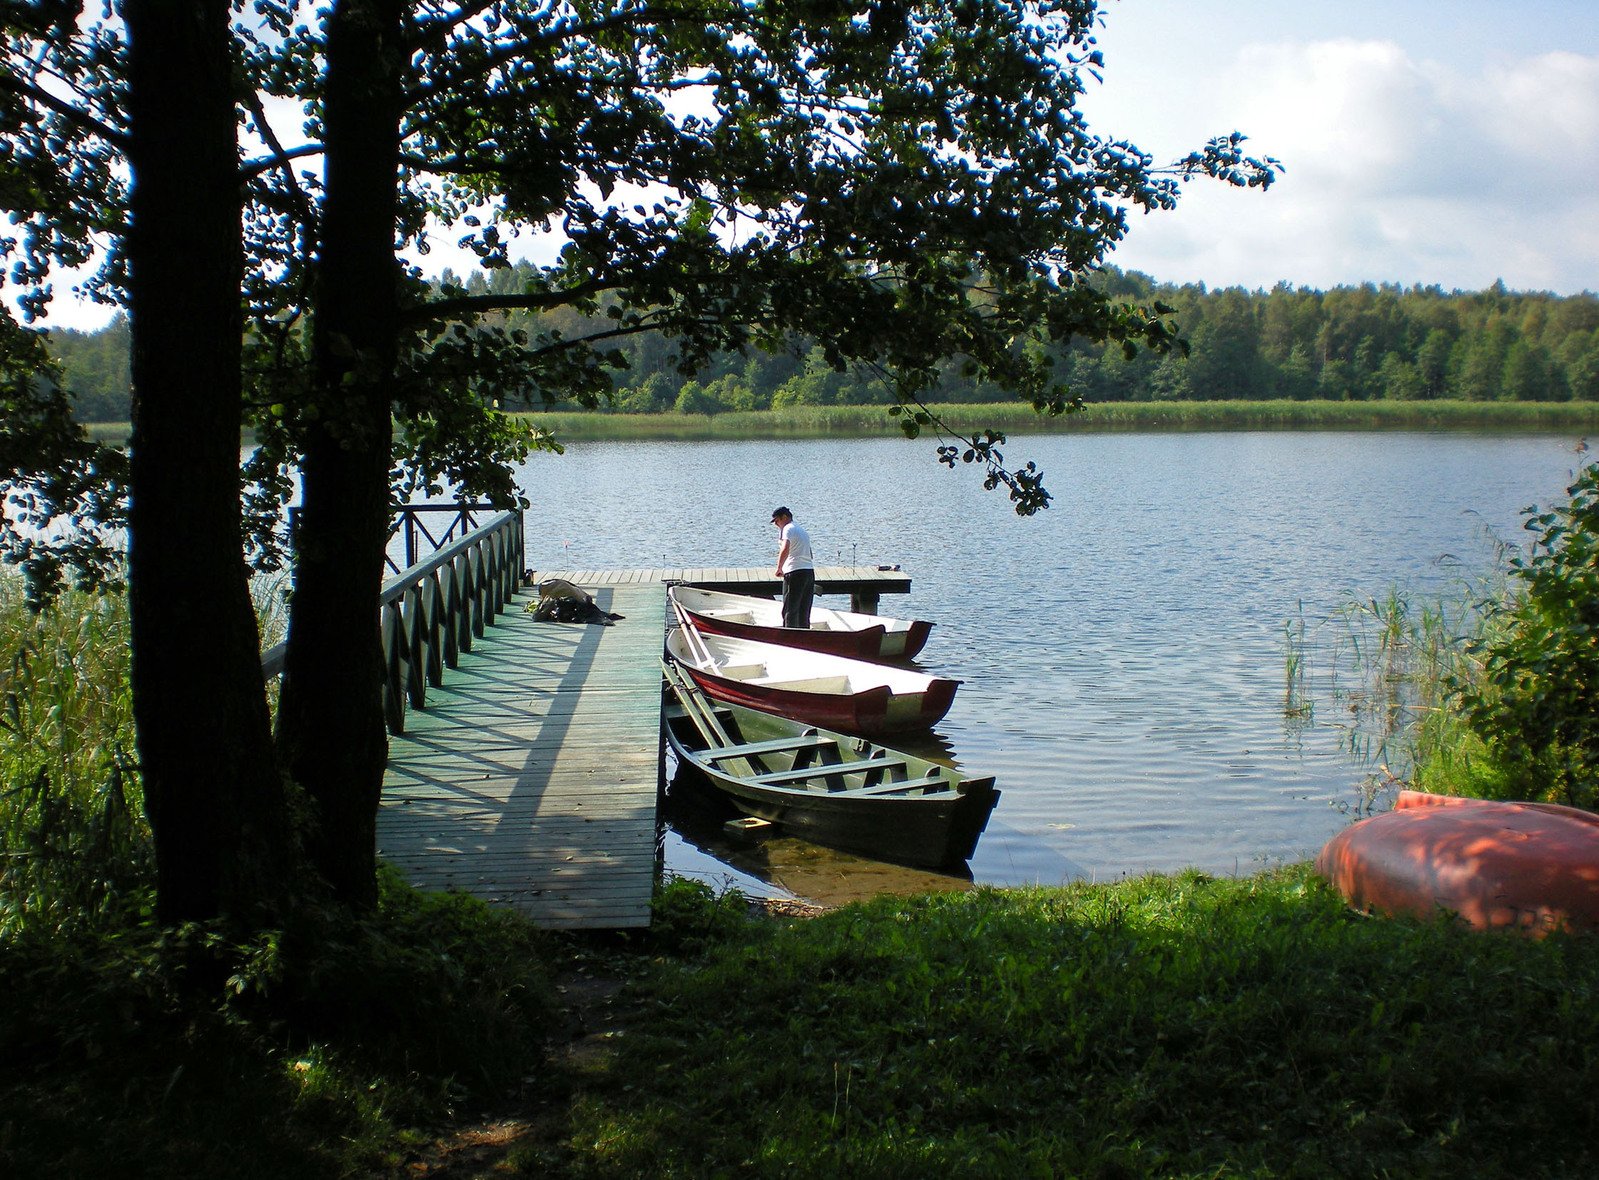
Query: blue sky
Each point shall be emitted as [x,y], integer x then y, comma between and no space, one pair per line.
[1449,142]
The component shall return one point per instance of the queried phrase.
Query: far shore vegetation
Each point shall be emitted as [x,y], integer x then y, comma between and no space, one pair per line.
[1179,1025]
[866,421]
[874,420]
[1386,350]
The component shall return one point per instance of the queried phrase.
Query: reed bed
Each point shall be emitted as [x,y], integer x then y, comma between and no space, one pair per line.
[1388,670]
[1017,417]
[73,839]
[856,421]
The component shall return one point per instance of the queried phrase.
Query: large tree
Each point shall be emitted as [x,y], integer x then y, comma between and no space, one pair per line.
[909,185]
[158,95]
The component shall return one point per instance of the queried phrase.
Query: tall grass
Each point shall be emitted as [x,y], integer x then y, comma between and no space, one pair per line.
[73,840]
[135,1050]
[1017,417]
[1388,669]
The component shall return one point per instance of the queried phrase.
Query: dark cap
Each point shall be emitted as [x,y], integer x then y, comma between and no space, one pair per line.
[776,512]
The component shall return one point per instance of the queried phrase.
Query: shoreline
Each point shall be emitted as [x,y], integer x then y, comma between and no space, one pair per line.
[1100,417]
[1105,417]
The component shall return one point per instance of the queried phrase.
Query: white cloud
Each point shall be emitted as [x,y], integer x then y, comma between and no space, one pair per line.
[1399,169]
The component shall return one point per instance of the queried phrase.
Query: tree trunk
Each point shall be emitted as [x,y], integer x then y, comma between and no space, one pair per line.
[331,730]
[212,789]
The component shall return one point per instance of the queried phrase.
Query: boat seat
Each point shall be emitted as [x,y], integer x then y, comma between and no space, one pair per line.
[730,616]
[775,746]
[832,684]
[925,783]
[740,671]
[827,770]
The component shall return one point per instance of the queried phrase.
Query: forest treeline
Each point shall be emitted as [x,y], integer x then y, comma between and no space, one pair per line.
[1361,343]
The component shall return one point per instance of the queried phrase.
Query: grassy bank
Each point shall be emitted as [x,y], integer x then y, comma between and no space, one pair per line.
[1172,1026]
[324,1050]
[847,421]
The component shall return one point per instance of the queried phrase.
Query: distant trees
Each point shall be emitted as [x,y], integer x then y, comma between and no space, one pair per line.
[96,371]
[1364,343]
[1347,344]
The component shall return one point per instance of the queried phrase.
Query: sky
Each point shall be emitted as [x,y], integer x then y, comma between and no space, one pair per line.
[1434,142]
[1447,142]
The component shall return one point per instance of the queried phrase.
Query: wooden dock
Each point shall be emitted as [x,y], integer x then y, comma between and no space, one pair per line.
[530,779]
[863,583]
[531,776]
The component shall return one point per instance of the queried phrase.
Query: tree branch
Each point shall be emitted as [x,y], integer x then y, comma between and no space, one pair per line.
[469,305]
[279,159]
[250,169]
[431,33]
[528,46]
[74,115]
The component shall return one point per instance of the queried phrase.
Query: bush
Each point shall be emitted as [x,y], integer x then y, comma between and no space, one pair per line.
[1535,701]
[149,1052]
[688,917]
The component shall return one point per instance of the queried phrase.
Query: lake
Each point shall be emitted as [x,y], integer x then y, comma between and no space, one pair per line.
[1123,653]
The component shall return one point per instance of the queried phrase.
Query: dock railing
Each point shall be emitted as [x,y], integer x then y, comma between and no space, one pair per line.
[431,611]
[436,524]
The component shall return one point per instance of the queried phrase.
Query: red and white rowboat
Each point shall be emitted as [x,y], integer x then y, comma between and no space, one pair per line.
[836,632]
[830,691]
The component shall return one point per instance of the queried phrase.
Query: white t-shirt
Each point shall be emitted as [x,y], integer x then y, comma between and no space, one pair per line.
[798,556]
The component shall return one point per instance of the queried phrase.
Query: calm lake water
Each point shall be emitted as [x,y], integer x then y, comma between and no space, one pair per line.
[1123,653]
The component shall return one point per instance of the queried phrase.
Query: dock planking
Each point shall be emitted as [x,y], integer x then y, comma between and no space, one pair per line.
[531,777]
[863,583]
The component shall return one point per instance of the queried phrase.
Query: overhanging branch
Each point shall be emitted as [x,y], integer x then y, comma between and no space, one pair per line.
[75,115]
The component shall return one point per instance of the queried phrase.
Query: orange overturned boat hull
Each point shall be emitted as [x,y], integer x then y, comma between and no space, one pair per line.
[1531,867]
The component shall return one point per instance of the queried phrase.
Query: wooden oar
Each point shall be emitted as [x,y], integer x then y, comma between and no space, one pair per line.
[699,711]
[696,641]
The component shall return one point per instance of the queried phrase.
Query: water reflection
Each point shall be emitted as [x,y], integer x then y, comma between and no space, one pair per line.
[776,865]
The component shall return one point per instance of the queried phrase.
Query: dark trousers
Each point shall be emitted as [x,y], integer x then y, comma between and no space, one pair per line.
[799,588]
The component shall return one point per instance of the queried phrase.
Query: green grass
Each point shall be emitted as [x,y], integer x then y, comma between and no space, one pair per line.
[847,421]
[1167,1026]
[1175,1026]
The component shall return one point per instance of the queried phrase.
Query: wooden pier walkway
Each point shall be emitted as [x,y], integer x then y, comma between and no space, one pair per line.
[531,776]
[530,779]
[863,583]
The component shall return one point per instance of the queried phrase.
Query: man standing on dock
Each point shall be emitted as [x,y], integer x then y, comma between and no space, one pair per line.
[796,568]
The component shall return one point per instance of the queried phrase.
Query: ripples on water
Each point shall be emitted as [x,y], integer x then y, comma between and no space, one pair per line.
[1123,653]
